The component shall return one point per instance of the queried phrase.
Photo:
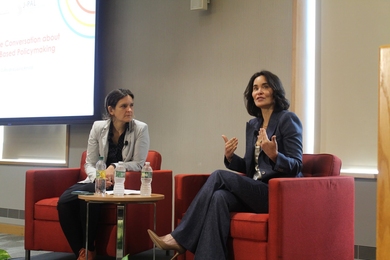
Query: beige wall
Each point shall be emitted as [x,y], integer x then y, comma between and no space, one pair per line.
[188,70]
[351,33]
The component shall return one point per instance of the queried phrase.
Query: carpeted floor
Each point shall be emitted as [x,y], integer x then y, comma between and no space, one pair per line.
[14,245]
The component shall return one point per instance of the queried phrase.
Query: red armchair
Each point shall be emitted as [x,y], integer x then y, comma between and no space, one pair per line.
[309,218]
[42,228]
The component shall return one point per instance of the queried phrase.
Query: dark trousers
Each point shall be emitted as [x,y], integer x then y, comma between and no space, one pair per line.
[72,215]
[205,227]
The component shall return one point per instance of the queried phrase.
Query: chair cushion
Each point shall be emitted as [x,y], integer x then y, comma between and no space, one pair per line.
[46,209]
[249,226]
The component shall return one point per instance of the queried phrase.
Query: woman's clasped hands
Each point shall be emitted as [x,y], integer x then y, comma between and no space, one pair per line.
[110,174]
[270,147]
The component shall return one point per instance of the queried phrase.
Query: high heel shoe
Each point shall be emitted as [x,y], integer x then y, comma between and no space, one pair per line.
[82,254]
[160,243]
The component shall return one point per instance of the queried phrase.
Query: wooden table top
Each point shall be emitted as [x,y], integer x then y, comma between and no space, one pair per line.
[118,199]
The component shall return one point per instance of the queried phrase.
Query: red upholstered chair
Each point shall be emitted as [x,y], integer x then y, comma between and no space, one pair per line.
[42,228]
[309,218]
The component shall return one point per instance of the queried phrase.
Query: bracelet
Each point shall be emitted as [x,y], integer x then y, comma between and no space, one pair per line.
[113,164]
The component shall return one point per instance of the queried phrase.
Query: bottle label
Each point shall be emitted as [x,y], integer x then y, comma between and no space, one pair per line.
[120,174]
[146,174]
[101,174]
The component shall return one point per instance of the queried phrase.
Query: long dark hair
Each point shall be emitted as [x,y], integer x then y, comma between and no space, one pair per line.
[281,102]
[113,97]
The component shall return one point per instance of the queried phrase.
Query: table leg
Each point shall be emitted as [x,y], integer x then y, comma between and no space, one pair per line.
[154,227]
[120,234]
[86,232]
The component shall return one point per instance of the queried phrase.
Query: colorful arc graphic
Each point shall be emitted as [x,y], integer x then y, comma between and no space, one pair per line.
[84,9]
[76,20]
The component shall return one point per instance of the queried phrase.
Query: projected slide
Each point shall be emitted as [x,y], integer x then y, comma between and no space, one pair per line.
[47,58]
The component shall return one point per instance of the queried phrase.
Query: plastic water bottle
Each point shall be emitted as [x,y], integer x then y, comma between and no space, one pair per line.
[120,175]
[100,180]
[146,180]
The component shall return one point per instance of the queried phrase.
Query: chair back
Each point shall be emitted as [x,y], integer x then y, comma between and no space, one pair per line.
[83,174]
[153,157]
[320,165]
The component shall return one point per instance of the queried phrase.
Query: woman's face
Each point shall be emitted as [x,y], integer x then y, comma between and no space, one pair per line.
[123,111]
[262,93]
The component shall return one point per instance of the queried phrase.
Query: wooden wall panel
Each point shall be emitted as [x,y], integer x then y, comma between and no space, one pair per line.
[383,182]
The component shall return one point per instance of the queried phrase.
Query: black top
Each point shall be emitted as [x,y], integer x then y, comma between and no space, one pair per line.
[115,150]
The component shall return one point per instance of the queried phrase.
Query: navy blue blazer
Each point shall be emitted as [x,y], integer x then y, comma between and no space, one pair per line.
[287,128]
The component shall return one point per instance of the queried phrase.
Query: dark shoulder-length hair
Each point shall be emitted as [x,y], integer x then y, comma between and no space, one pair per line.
[281,102]
[112,99]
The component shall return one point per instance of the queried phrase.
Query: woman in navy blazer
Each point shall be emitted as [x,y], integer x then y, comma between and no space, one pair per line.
[118,138]
[279,157]
[273,149]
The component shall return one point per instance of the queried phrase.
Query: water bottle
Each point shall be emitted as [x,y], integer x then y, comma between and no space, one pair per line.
[120,174]
[100,180]
[146,180]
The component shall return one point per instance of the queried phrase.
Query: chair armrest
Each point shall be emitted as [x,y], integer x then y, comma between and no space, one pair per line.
[162,184]
[48,183]
[186,188]
[42,184]
[311,218]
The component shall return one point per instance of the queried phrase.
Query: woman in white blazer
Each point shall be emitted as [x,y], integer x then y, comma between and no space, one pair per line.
[117,138]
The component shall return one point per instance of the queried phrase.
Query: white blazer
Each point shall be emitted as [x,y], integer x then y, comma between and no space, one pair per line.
[134,153]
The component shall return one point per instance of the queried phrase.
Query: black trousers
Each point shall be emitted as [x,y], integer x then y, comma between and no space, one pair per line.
[205,227]
[72,215]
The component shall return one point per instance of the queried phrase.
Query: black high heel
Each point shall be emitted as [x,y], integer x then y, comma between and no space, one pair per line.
[162,245]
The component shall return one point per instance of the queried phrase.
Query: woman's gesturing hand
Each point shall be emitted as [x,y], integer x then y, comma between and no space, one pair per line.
[230,147]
